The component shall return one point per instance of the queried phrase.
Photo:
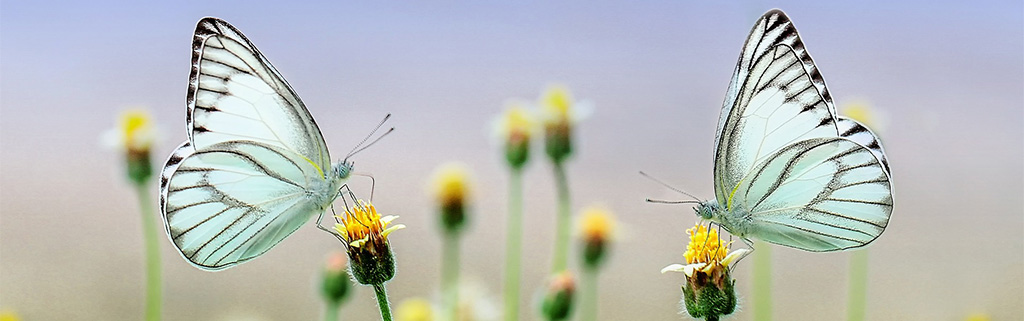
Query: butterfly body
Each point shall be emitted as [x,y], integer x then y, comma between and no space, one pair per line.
[255,166]
[788,169]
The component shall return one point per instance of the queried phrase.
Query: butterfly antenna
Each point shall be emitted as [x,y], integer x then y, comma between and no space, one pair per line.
[371,143]
[357,148]
[672,202]
[669,186]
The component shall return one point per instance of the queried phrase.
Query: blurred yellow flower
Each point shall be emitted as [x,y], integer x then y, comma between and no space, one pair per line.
[978,317]
[8,316]
[560,113]
[135,130]
[865,114]
[414,309]
[596,229]
[515,128]
[451,188]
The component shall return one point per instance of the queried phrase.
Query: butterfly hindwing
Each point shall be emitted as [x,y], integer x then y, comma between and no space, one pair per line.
[236,94]
[230,202]
[820,194]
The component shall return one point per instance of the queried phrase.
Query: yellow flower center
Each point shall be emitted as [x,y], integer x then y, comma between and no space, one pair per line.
[362,223]
[705,246]
[450,183]
[517,123]
[557,102]
[136,129]
[597,224]
[861,112]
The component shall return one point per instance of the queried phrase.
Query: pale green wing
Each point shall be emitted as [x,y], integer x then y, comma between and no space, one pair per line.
[235,94]
[820,194]
[228,203]
[776,98]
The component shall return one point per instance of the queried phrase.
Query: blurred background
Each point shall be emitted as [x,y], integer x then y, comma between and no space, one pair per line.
[946,79]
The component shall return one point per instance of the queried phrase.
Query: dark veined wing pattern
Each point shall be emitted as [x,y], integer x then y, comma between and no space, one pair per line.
[243,180]
[799,174]
[236,94]
[232,201]
[819,194]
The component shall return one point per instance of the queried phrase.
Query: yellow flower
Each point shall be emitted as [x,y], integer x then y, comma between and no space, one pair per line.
[414,309]
[596,229]
[135,130]
[561,113]
[365,233]
[978,317]
[451,188]
[863,113]
[709,289]
[134,135]
[8,316]
[515,128]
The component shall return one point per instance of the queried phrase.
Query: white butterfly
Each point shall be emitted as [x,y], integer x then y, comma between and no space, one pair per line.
[788,169]
[255,166]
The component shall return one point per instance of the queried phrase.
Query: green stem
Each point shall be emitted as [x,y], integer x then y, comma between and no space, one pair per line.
[562,222]
[762,281]
[589,303]
[513,244]
[150,238]
[382,301]
[856,305]
[332,311]
[450,275]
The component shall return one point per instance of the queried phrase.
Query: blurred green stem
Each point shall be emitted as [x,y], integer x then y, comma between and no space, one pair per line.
[450,274]
[590,292]
[762,281]
[332,311]
[513,244]
[382,301]
[856,305]
[150,236]
[562,221]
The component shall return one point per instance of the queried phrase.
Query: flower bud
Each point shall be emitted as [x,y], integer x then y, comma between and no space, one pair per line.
[558,300]
[336,282]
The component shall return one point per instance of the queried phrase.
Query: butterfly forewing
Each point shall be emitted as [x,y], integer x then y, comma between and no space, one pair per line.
[236,94]
[778,105]
[232,201]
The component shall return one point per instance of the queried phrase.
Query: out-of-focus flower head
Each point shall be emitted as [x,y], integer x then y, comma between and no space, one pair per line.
[415,309]
[451,189]
[134,135]
[558,299]
[596,230]
[336,283]
[560,115]
[515,128]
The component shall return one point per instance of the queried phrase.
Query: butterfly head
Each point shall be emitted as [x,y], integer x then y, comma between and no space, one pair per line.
[707,210]
[342,169]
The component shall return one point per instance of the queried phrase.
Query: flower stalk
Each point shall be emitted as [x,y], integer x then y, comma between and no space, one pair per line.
[134,136]
[382,301]
[560,260]
[515,127]
[513,244]
[762,302]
